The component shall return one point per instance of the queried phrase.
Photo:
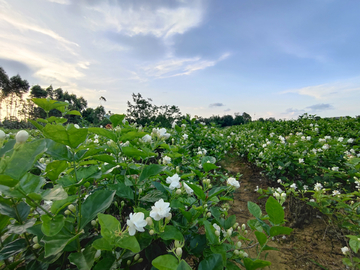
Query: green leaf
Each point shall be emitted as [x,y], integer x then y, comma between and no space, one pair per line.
[277,230]
[135,153]
[48,104]
[22,208]
[122,190]
[261,237]
[7,181]
[58,150]
[83,260]
[70,136]
[198,191]
[153,196]
[110,227]
[104,132]
[52,225]
[254,209]
[183,266]
[165,262]
[128,242]
[31,183]
[97,202]
[36,124]
[171,233]
[13,248]
[53,169]
[74,113]
[208,158]
[213,262]
[229,222]
[104,158]
[252,265]
[210,233]
[151,170]
[7,147]
[231,266]
[55,244]
[116,119]
[354,244]
[106,263]
[102,244]
[209,166]
[132,135]
[61,204]
[220,249]
[22,159]
[217,190]
[274,210]
[4,221]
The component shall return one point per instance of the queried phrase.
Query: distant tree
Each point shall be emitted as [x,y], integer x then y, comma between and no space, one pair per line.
[37,92]
[238,120]
[227,120]
[246,117]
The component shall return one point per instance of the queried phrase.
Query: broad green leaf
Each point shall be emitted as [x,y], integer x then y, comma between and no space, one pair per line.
[13,248]
[90,172]
[55,119]
[4,220]
[205,159]
[254,225]
[31,183]
[171,233]
[83,260]
[53,169]
[7,147]
[252,265]
[274,210]
[209,166]
[122,190]
[56,244]
[102,244]
[61,204]
[48,104]
[261,237]
[22,209]
[151,170]
[229,222]
[216,191]
[36,124]
[104,158]
[183,266]
[74,113]
[22,159]
[7,181]
[58,151]
[165,262]
[135,153]
[354,243]
[132,135]
[106,263]
[70,136]
[231,266]
[254,209]
[153,196]
[21,228]
[52,225]
[97,202]
[128,242]
[110,228]
[220,249]
[265,226]
[116,119]
[198,191]
[213,262]
[55,194]
[104,132]
[210,233]
[277,230]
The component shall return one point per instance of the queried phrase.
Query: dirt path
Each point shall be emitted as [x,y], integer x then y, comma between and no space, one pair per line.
[310,246]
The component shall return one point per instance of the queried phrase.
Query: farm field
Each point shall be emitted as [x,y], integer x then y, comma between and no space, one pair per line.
[133,197]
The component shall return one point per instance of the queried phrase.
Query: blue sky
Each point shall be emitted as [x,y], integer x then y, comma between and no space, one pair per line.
[269,58]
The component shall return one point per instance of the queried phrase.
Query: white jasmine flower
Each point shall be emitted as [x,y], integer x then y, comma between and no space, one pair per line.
[173,181]
[160,210]
[340,139]
[326,146]
[21,136]
[301,160]
[136,223]
[279,181]
[76,126]
[345,250]
[350,140]
[232,182]
[166,160]
[146,138]
[185,136]
[293,186]
[318,187]
[305,187]
[161,133]
[188,189]
[335,169]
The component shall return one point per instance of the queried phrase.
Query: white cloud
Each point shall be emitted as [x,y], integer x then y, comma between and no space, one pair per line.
[62,2]
[329,90]
[163,22]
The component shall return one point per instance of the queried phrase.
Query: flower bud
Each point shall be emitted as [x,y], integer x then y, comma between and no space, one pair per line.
[122,203]
[208,214]
[236,252]
[149,221]
[179,251]
[177,243]
[116,204]
[72,208]
[151,232]
[140,260]
[238,244]
[67,212]
[97,254]
[93,222]
[137,256]
[35,240]
[140,190]
[210,185]
[167,219]
[36,246]
[21,136]
[235,225]
[128,262]
[178,191]
[243,226]
[217,233]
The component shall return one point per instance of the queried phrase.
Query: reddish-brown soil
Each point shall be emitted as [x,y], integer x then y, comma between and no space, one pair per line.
[311,245]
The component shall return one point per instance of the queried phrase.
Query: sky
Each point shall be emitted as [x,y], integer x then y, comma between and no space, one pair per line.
[268,58]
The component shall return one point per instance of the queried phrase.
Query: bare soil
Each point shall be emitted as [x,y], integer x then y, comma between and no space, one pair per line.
[311,245]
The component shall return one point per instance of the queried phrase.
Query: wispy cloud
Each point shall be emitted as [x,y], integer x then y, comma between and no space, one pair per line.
[320,107]
[328,91]
[216,105]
